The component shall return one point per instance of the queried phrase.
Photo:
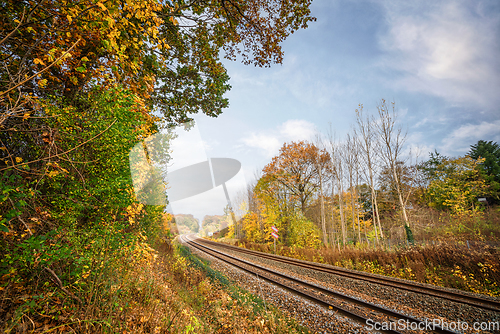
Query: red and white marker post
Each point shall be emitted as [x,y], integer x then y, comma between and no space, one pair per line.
[275,235]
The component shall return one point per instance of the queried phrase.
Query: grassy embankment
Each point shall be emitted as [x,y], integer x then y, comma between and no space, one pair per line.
[162,290]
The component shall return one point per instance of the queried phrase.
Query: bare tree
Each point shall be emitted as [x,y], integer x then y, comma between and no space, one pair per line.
[365,132]
[351,161]
[392,140]
[337,171]
[320,170]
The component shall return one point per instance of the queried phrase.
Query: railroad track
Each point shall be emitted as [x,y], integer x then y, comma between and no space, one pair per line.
[475,301]
[364,311]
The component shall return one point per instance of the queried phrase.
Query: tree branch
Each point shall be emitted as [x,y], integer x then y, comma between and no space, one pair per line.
[59,284]
[58,154]
[15,29]
[40,72]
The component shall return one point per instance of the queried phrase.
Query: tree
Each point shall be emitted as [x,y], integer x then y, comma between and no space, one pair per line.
[297,168]
[212,224]
[392,140]
[490,152]
[337,169]
[168,55]
[321,195]
[456,186]
[288,185]
[366,132]
[351,161]
[252,225]
[432,166]
[187,223]
[81,83]
[272,204]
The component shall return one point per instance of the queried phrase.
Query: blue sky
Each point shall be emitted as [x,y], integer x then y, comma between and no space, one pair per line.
[438,60]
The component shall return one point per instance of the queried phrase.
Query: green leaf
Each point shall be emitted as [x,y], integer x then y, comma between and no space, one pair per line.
[4,228]
[81,69]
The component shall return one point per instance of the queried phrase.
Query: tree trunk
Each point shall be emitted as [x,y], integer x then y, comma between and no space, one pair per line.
[323,221]
[409,234]
[342,221]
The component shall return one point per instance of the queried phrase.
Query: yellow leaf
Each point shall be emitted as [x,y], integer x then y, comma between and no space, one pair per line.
[111,21]
[102,6]
[70,19]
[42,83]
[38,61]
[19,159]
[26,116]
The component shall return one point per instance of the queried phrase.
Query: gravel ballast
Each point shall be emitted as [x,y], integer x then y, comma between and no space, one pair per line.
[459,317]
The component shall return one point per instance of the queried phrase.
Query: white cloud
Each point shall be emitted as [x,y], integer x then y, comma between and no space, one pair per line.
[267,143]
[297,129]
[459,141]
[449,49]
[272,140]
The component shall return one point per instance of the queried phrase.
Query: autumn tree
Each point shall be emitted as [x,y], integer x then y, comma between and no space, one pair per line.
[272,203]
[456,185]
[297,168]
[296,175]
[81,83]
[288,185]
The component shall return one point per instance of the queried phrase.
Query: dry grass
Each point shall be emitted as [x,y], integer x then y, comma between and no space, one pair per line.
[456,266]
[442,255]
[431,224]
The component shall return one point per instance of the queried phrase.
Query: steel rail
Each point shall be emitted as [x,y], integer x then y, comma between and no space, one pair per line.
[349,299]
[479,302]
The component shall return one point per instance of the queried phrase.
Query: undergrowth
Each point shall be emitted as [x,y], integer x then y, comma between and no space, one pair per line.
[454,266]
[162,290]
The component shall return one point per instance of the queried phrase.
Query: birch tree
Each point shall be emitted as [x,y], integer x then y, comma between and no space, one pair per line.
[321,168]
[392,139]
[337,180]
[350,159]
[365,132]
